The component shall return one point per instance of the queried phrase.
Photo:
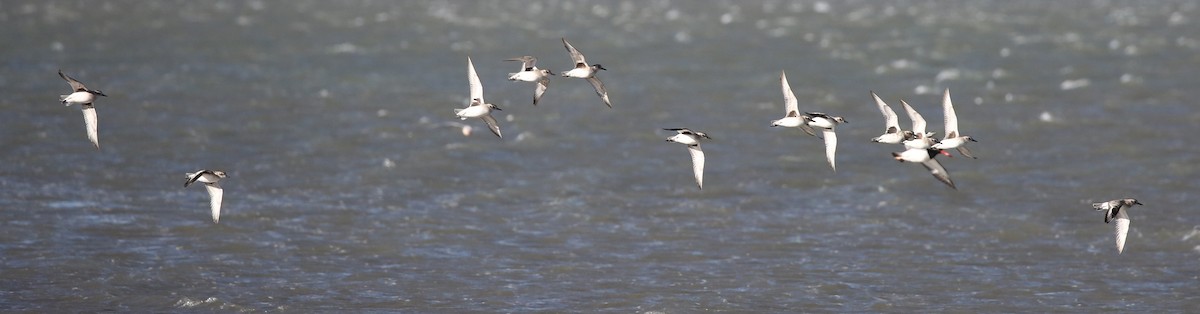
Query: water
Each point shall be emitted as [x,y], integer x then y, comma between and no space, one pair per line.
[346,193]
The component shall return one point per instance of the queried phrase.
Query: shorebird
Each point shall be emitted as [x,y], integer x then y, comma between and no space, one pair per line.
[84,97]
[792,117]
[478,108]
[531,73]
[692,140]
[892,134]
[584,71]
[827,123]
[925,157]
[1113,212]
[953,138]
[210,179]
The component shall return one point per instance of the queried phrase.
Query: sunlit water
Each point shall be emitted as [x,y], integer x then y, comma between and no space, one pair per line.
[348,191]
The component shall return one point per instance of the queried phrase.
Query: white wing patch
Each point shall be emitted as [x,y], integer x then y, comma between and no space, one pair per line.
[889,116]
[215,194]
[918,121]
[697,164]
[790,104]
[830,146]
[1119,232]
[89,120]
[473,79]
[951,119]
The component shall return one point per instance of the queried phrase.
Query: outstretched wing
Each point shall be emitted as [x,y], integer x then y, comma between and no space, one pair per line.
[697,164]
[599,86]
[491,122]
[939,172]
[90,121]
[1119,232]
[830,146]
[918,122]
[890,120]
[541,88]
[575,54]
[951,119]
[215,194]
[790,104]
[473,80]
[75,84]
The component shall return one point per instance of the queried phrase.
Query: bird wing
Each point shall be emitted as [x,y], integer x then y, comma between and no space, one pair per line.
[963,150]
[541,88]
[890,120]
[89,121]
[215,193]
[192,177]
[75,84]
[1119,232]
[951,119]
[918,122]
[830,146]
[599,86]
[697,164]
[491,122]
[575,54]
[790,104]
[473,80]
[939,172]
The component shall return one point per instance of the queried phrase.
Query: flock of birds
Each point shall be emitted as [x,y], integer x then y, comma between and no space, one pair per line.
[920,145]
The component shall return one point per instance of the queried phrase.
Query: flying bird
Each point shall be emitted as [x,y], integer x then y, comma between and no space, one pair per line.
[1113,211]
[585,71]
[953,139]
[478,107]
[892,134]
[210,179]
[827,124]
[85,98]
[692,140]
[531,73]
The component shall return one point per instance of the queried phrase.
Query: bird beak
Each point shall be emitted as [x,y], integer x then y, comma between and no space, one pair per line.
[971,139]
[601,67]
[551,72]
[1136,202]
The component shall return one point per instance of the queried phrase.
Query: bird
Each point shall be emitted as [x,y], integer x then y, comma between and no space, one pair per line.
[792,117]
[827,123]
[692,140]
[584,71]
[210,179]
[925,157]
[478,107]
[1113,212]
[892,133]
[953,138]
[85,98]
[531,73]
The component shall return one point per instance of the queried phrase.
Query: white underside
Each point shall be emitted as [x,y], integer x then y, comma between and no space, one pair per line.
[525,76]
[915,155]
[79,98]
[790,122]
[890,138]
[472,112]
[579,73]
[950,143]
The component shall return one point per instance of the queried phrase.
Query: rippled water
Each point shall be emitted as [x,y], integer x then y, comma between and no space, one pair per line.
[348,192]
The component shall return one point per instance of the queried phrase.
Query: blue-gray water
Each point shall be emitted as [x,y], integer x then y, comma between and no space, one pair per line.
[347,193]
